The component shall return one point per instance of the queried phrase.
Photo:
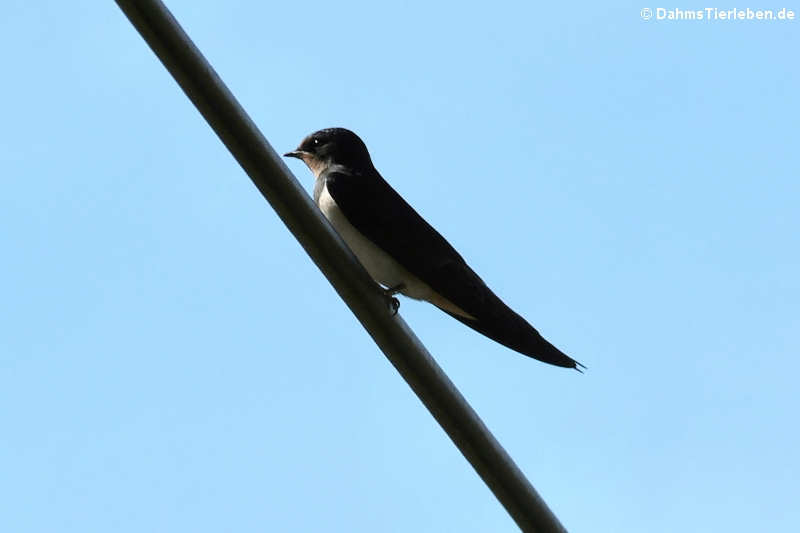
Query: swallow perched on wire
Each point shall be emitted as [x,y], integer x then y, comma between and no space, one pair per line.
[404,253]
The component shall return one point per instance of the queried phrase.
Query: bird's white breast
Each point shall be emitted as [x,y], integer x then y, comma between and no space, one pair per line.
[380,266]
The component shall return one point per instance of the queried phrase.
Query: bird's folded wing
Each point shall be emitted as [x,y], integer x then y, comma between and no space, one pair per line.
[377,211]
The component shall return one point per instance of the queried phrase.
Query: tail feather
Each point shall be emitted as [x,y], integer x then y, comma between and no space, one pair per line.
[513,331]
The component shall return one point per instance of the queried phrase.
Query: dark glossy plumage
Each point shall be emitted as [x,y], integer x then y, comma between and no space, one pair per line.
[376,210]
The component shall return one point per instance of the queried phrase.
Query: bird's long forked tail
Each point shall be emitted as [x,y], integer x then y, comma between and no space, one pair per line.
[513,331]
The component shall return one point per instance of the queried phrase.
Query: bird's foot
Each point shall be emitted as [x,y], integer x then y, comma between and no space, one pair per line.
[394,303]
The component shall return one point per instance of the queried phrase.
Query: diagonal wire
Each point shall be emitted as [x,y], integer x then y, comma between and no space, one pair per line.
[280,188]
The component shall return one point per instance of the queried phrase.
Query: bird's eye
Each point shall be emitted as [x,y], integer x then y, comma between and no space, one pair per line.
[315,141]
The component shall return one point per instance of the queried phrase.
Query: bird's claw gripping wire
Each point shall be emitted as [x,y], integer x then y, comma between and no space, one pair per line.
[394,303]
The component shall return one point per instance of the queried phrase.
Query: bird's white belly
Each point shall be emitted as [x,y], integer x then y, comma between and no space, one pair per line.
[380,266]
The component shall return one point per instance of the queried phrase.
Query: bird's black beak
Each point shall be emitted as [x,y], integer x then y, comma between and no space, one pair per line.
[298,154]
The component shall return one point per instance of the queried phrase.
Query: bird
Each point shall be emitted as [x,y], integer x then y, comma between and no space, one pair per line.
[401,251]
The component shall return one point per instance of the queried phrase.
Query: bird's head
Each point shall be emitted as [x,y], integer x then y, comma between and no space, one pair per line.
[332,146]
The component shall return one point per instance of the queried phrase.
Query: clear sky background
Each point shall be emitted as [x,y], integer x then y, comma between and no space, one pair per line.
[171,360]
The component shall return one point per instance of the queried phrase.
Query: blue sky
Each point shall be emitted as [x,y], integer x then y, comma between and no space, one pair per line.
[170,359]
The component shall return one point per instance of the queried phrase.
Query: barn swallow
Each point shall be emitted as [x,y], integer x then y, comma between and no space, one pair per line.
[401,251]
